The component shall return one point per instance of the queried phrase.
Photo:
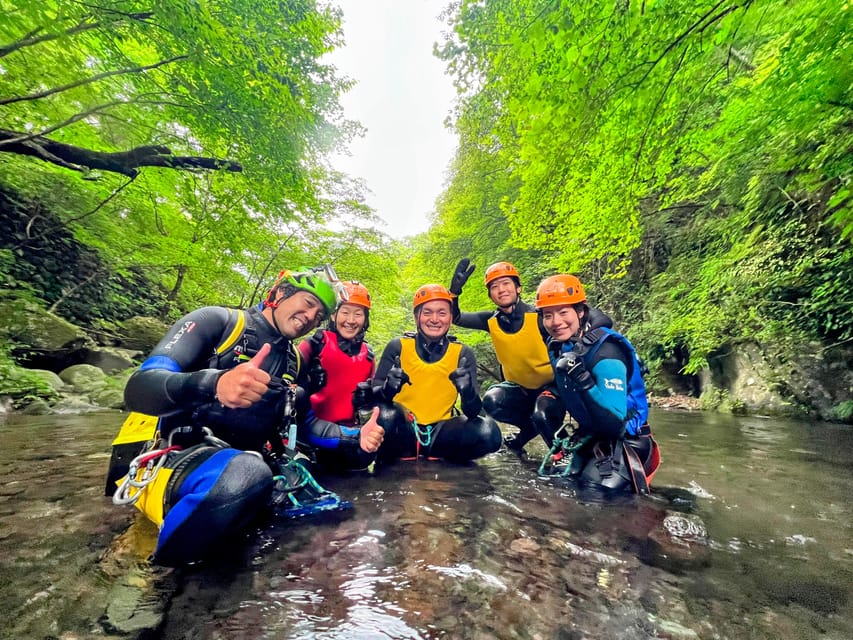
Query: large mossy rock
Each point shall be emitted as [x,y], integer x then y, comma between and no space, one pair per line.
[37,330]
[141,333]
[49,377]
[110,359]
[83,378]
[789,379]
[92,385]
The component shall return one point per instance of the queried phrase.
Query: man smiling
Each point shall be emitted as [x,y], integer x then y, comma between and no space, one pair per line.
[224,384]
[526,397]
[424,373]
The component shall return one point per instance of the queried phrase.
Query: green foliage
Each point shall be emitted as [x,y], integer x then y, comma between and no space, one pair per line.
[691,162]
[844,411]
[21,384]
[234,80]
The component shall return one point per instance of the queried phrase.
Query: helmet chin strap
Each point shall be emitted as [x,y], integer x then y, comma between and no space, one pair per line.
[273,305]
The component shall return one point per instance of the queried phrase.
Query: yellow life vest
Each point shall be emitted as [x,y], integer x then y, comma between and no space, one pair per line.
[431,395]
[523,355]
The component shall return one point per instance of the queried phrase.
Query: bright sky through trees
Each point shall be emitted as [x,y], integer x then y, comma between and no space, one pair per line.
[402,98]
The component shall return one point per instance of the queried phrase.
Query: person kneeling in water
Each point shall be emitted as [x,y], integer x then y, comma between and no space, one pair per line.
[341,358]
[418,382]
[599,378]
[220,387]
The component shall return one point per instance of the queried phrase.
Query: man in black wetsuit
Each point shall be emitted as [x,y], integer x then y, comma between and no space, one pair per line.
[526,398]
[234,373]
[420,378]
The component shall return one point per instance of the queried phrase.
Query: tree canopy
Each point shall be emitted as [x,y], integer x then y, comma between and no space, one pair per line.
[201,132]
[691,161]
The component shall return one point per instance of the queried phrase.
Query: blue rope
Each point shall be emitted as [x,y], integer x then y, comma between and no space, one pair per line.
[423,434]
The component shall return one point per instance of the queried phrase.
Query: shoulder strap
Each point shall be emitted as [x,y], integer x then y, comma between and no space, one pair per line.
[238,317]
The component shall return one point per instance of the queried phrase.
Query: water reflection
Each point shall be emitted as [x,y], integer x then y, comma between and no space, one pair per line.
[746,536]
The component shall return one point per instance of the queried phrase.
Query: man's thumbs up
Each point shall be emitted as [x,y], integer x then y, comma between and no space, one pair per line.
[372,433]
[244,385]
[258,359]
[461,378]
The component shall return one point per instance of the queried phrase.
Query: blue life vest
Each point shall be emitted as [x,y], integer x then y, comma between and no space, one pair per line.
[638,404]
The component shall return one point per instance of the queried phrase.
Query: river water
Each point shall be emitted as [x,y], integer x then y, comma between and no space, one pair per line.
[747,535]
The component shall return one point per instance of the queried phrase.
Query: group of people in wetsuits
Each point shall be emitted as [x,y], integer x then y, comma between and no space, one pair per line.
[231,390]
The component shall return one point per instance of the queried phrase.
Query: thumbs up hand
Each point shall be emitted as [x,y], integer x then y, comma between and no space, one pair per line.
[462,378]
[394,380]
[372,433]
[244,385]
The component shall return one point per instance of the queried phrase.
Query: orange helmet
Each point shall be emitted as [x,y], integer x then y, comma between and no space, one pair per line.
[502,270]
[431,292]
[559,290]
[357,294]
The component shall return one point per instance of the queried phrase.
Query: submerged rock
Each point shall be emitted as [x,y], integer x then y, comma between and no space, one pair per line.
[680,543]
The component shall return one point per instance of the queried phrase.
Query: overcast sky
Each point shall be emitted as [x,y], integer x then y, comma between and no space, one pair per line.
[402,98]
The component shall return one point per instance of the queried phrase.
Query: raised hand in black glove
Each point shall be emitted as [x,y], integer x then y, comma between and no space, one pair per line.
[572,365]
[394,380]
[462,379]
[317,377]
[463,271]
[317,341]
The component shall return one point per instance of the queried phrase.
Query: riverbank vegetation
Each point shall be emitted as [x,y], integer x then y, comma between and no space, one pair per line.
[691,162]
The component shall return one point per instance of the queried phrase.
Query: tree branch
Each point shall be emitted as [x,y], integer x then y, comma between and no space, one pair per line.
[97,109]
[126,163]
[84,81]
[31,38]
[700,25]
[66,223]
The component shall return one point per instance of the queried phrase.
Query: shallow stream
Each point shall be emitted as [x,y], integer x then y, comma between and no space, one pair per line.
[747,535]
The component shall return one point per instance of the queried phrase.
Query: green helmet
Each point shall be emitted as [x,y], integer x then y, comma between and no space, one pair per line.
[322,282]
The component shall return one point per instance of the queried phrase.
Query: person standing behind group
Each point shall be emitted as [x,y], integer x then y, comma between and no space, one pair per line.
[342,359]
[599,378]
[526,398]
[422,375]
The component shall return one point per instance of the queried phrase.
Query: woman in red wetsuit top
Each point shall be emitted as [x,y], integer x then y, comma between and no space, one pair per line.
[338,359]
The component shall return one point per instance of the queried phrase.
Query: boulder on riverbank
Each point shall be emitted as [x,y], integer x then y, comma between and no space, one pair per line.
[801,380]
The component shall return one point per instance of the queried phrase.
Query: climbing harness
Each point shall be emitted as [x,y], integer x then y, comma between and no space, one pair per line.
[558,461]
[143,469]
[296,492]
[149,463]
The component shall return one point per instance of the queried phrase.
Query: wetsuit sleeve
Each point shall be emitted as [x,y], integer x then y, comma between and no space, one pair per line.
[176,376]
[471,405]
[476,320]
[372,357]
[607,401]
[389,355]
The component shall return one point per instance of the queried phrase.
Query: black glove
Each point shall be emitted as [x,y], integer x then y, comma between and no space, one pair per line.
[317,341]
[572,365]
[364,395]
[394,381]
[317,377]
[462,379]
[463,271]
